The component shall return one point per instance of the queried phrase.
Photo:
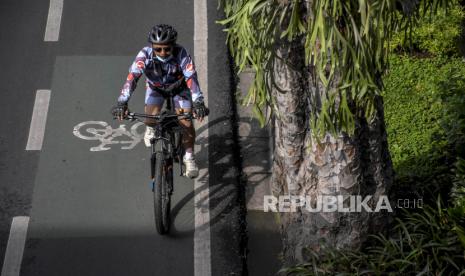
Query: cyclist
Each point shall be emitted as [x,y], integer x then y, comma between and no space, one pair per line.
[168,67]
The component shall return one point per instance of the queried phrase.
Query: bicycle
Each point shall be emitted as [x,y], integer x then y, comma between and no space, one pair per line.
[166,149]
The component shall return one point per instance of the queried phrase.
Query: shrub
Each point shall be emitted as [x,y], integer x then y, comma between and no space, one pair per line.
[425,119]
[417,107]
[428,242]
[437,35]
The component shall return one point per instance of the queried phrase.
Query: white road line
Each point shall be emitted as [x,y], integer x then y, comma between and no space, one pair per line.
[15,247]
[52,30]
[202,253]
[39,118]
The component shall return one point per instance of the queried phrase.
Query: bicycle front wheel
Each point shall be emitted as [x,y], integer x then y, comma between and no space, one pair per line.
[161,195]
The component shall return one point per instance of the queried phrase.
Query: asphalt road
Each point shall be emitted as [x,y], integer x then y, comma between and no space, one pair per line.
[90,205]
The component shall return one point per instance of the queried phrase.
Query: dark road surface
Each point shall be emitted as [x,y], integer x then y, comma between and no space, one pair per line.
[91,211]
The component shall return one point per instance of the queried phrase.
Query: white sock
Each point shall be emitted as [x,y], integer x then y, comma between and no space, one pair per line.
[189,155]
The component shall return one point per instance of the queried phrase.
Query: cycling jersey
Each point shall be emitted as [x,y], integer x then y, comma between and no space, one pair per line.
[160,75]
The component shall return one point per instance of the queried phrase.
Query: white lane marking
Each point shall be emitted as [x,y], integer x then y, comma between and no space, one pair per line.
[52,30]
[39,119]
[202,252]
[103,132]
[15,247]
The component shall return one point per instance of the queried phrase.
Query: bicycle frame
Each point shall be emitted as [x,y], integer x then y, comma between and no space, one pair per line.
[166,128]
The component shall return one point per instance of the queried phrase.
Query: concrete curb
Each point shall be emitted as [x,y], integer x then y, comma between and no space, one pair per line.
[227,192]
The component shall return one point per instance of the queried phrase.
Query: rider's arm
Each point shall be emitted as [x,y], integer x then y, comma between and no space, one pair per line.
[188,70]
[135,72]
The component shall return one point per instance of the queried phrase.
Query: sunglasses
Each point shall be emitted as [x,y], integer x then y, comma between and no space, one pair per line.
[164,49]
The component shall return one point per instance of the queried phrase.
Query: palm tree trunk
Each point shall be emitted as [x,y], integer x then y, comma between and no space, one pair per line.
[343,165]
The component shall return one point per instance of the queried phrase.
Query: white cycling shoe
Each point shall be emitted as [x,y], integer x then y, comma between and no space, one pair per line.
[192,171]
[149,133]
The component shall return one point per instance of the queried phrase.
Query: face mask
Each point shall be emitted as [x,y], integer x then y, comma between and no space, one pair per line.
[164,59]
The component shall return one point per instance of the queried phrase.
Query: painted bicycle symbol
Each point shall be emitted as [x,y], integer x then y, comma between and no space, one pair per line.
[102,131]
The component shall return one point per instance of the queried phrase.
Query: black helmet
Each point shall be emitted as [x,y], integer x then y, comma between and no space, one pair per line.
[162,34]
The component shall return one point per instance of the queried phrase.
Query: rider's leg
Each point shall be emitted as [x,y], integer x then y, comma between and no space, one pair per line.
[188,139]
[153,105]
[184,104]
[151,109]
[150,123]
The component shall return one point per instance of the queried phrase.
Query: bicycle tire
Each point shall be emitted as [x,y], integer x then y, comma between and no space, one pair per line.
[161,197]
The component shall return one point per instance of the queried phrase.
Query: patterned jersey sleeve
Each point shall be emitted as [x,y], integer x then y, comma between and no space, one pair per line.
[136,70]
[188,70]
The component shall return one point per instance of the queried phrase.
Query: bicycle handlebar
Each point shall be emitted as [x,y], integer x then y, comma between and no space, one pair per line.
[135,116]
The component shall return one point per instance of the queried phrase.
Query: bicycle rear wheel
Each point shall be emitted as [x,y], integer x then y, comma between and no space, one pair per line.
[161,195]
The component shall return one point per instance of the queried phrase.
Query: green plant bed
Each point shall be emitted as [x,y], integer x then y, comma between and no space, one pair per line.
[416,98]
[434,35]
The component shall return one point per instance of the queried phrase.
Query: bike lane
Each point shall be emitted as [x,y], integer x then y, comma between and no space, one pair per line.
[92,211]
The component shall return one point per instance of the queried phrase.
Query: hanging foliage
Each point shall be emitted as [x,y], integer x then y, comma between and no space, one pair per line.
[345,44]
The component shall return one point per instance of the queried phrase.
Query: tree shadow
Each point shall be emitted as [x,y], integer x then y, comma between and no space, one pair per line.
[220,177]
